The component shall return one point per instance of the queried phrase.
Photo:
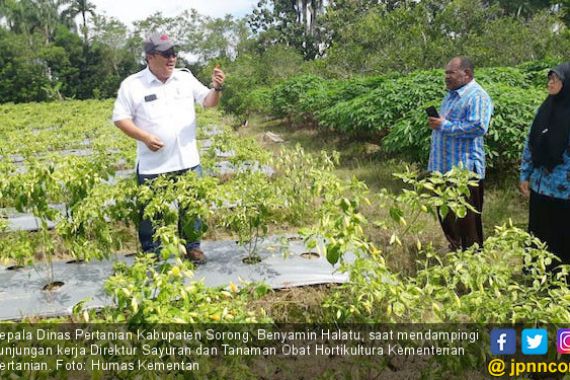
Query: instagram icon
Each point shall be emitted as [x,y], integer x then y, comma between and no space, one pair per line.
[563,341]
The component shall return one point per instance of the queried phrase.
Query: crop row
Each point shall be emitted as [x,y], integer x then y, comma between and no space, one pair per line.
[83,213]
[390,108]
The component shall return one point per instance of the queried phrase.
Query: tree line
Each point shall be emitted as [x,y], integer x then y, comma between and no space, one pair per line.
[68,49]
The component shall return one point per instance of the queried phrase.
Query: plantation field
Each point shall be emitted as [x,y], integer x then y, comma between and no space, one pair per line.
[314,172]
[347,194]
[356,196]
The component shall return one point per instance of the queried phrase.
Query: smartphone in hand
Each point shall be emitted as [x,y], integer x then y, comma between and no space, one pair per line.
[432,112]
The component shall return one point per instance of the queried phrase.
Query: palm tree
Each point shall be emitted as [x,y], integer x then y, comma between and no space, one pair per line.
[80,7]
[46,13]
[14,12]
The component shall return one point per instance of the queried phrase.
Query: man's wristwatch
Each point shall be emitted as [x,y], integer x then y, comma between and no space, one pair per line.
[219,88]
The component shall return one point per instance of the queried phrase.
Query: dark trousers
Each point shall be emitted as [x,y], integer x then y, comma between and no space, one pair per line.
[146,230]
[549,220]
[465,232]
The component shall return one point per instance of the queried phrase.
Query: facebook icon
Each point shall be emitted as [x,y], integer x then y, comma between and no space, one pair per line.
[503,341]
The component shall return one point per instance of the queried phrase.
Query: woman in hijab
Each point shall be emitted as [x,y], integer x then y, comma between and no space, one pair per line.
[545,167]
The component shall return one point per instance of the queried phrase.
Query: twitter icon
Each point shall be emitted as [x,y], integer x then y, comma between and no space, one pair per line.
[534,341]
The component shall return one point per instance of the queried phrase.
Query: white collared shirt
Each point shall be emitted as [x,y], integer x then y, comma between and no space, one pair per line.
[165,110]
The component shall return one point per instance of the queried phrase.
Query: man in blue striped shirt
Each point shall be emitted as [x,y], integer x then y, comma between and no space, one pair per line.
[457,139]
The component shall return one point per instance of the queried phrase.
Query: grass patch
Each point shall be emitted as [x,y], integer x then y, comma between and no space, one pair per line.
[501,204]
[294,305]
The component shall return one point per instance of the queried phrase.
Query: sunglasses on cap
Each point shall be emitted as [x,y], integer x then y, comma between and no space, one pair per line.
[167,53]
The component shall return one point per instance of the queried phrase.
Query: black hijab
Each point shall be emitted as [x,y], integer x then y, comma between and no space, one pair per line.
[550,129]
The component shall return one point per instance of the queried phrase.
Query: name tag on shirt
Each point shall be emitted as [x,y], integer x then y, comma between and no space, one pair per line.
[150,98]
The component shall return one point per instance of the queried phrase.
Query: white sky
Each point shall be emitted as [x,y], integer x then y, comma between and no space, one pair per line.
[128,11]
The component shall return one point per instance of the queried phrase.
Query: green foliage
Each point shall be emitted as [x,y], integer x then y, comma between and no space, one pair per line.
[90,229]
[509,41]
[474,286]
[31,192]
[69,192]
[242,149]
[392,107]
[285,96]
[372,43]
[45,56]
[478,285]
[436,193]
[278,63]
[150,292]
[165,196]
[259,100]
[17,248]
[21,79]
[325,94]
[289,23]
[515,102]
[484,286]
[341,226]
[90,204]
[515,108]
[252,200]
[537,71]
[250,71]
[241,79]
[303,182]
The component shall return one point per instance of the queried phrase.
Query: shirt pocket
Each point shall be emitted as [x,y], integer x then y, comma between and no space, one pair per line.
[184,96]
[184,113]
[155,111]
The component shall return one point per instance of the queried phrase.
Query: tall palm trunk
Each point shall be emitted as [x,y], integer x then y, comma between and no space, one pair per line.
[84,27]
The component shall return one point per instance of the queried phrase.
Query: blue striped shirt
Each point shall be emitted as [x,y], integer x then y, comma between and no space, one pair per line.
[459,140]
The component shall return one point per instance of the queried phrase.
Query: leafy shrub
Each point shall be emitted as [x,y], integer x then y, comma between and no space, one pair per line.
[253,200]
[537,71]
[486,286]
[252,71]
[241,80]
[393,106]
[259,100]
[191,193]
[286,95]
[244,149]
[514,111]
[508,76]
[302,181]
[482,285]
[327,93]
[381,108]
[150,292]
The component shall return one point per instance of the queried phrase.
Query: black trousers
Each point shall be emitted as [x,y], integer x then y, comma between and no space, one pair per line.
[465,232]
[549,220]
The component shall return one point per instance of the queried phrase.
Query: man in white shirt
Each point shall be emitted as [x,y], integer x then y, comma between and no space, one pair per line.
[156,108]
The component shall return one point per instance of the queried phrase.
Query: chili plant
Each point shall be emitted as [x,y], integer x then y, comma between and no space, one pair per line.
[31,191]
[302,181]
[253,200]
[166,195]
